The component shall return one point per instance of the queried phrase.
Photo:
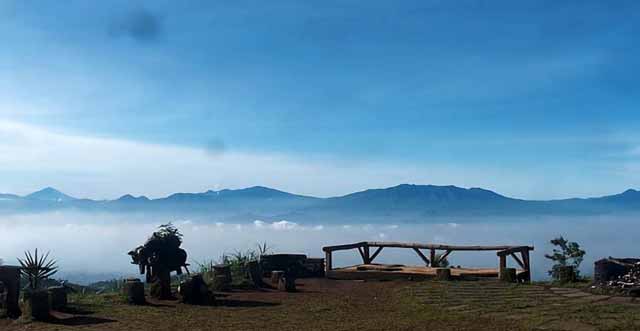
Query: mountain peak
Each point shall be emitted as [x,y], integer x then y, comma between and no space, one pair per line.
[49,194]
[129,197]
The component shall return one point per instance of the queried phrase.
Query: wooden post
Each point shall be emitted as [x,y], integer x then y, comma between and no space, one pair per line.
[367,254]
[443,273]
[508,275]
[134,290]
[503,262]
[327,262]
[432,257]
[10,276]
[527,265]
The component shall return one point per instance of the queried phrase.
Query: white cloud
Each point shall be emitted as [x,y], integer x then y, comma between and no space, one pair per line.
[284,225]
[33,157]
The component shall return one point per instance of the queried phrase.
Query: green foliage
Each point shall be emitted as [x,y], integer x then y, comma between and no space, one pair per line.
[567,254]
[37,269]
[169,234]
[108,286]
[238,263]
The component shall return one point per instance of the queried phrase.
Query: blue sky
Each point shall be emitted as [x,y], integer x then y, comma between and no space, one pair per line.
[532,99]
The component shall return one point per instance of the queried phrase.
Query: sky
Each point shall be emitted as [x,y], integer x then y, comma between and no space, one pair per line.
[532,99]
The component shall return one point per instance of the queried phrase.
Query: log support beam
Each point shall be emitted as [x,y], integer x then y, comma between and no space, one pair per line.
[424,258]
[375,253]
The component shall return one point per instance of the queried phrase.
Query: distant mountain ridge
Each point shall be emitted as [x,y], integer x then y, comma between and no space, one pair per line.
[405,202]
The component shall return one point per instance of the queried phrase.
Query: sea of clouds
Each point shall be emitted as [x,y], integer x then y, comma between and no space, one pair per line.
[92,247]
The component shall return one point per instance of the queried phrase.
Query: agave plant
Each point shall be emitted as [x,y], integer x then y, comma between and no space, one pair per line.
[37,268]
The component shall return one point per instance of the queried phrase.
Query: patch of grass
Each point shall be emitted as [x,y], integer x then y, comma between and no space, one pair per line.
[527,306]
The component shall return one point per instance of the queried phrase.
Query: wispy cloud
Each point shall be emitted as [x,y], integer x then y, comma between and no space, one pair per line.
[32,157]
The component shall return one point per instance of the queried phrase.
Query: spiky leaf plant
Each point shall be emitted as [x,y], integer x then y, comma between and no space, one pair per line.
[37,268]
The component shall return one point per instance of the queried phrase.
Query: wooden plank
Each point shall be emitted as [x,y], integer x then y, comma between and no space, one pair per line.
[375,254]
[515,249]
[439,246]
[515,257]
[424,258]
[343,247]
[423,246]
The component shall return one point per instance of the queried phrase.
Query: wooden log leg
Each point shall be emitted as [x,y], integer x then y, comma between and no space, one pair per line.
[527,264]
[432,257]
[367,254]
[424,258]
[327,263]
[375,254]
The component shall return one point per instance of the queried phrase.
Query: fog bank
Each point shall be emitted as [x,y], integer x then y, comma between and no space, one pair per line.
[93,247]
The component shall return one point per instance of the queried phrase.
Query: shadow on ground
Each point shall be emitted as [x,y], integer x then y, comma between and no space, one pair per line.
[244,303]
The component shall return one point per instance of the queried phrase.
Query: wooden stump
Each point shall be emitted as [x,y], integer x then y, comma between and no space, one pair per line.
[276,275]
[3,300]
[508,275]
[222,277]
[255,273]
[36,305]
[443,274]
[10,276]
[134,290]
[287,284]
[221,283]
[195,291]
[57,297]
[566,274]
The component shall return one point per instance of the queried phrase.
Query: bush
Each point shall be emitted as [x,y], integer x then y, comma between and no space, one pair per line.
[567,256]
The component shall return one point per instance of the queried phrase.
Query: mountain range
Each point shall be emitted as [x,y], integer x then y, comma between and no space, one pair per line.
[402,203]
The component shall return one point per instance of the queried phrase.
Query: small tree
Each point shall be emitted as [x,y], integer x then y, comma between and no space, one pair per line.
[567,254]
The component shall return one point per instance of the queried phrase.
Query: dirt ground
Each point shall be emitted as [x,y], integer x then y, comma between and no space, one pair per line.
[322,304]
